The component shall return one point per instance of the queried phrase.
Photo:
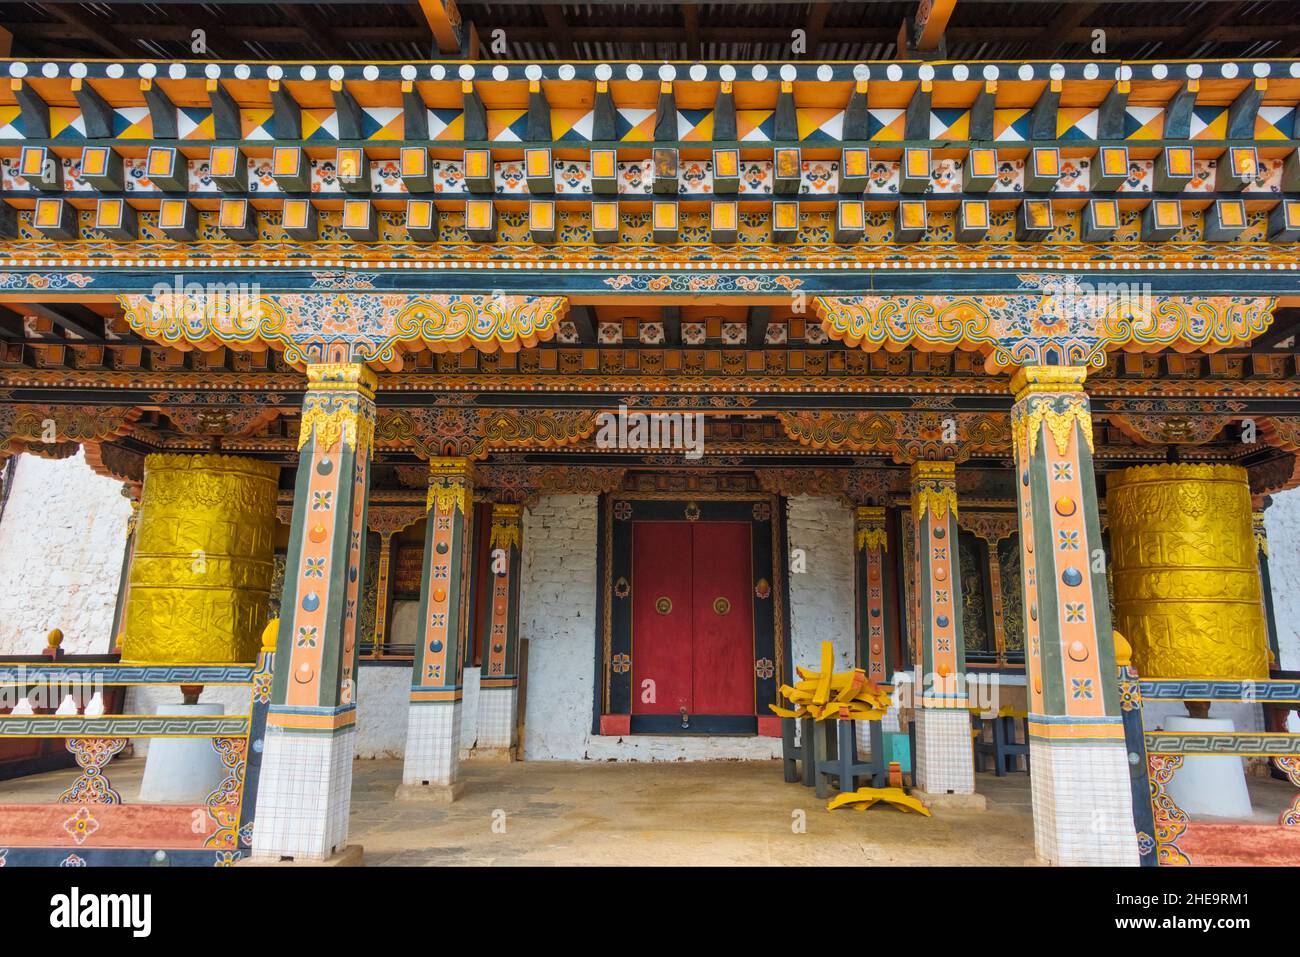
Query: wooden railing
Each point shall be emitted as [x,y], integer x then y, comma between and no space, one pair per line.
[90,823]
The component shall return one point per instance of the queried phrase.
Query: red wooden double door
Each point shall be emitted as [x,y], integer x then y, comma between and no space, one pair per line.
[692,619]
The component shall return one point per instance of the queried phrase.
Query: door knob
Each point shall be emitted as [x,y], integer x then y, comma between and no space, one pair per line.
[686,718]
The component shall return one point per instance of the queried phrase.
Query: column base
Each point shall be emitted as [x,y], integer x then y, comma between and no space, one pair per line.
[497,717]
[429,793]
[494,755]
[945,763]
[351,856]
[304,795]
[432,743]
[950,802]
[1083,807]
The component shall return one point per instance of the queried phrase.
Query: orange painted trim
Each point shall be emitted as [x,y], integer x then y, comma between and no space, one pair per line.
[108,825]
[453,694]
[1076,732]
[312,722]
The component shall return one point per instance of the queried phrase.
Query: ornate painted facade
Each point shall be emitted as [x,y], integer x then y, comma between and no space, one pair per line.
[972,301]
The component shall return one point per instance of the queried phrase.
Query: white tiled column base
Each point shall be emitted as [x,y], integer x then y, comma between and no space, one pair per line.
[1083,808]
[432,743]
[944,762]
[496,718]
[304,795]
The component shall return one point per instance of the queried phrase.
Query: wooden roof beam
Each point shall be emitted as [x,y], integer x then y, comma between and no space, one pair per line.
[445,24]
[95,111]
[36,112]
[161,110]
[1058,30]
[1197,32]
[319,32]
[105,34]
[71,318]
[929,24]
[11,326]
[286,114]
[1244,110]
[582,320]
[225,112]
[672,319]
[756,333]
[1042,118]
[561,36]
[1110,117]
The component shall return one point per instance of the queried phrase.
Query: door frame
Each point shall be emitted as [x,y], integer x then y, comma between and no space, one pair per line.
[612,697]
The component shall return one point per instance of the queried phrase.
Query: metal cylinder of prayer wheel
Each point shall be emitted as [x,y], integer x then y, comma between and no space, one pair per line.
[1186,579]
[200,577]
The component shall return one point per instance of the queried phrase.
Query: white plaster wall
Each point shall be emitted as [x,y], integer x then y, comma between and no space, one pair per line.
[382,695]
[558,620]
[821,597]
[62,542]
[1282,521]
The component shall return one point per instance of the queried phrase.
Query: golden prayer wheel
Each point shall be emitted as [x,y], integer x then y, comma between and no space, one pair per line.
[1186,575]
[200,579]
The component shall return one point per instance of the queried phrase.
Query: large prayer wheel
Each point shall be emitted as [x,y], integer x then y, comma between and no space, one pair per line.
[200,579]
[1186,576]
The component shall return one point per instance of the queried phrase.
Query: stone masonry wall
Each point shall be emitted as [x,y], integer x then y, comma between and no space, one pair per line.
[62,543]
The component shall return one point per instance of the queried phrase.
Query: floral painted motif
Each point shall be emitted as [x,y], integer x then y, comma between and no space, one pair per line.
[81,825]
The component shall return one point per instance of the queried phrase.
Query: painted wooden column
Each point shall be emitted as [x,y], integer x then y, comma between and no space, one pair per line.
[944,762]
[872,544]
[1079,763]
[382,588]
[499,681]
[1260,530]
[305,789]
[995,591]
[871,624]
[433,723]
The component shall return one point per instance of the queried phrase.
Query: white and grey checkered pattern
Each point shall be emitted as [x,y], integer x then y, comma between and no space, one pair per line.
[1083,808]
[304,795]
[944,761]
[496,717]
[432,743]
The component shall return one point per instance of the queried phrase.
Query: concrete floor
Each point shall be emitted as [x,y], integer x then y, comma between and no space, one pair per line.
[670,813]
[681,813]
[688,813]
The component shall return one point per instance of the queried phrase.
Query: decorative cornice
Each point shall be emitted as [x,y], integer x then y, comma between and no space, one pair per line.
[906,436]
[355,327]
[1057,321]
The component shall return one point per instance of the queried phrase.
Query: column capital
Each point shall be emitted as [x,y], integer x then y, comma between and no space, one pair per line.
[339,408]
[507,519]
[869,521]
[1030,379]
[507,513]
[934,487]
[451,467]
[451,483]
[342,377]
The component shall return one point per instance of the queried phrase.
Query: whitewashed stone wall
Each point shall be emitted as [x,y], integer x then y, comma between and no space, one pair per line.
[821,597]
[558,618]
[62,543]
[1282,520]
